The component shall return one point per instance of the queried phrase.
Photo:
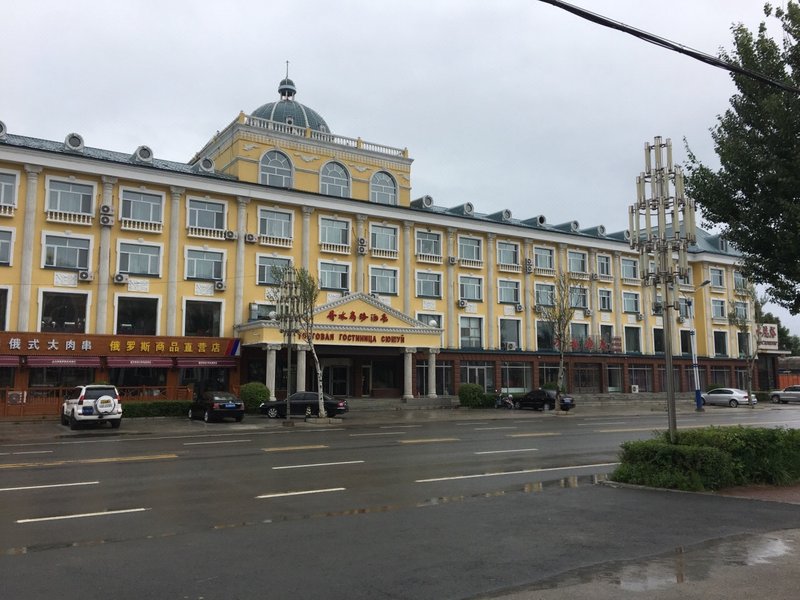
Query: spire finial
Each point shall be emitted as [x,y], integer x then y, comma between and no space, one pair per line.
[287,69]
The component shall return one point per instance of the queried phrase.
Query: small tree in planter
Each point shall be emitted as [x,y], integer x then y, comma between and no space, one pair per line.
[253,394]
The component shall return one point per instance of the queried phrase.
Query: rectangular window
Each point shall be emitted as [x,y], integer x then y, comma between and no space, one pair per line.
[508,292]
[577,261]
[471,332]
[686,341]
[630,302]
[658,341]
[429,243]
[578,297]
[469,248]
[5,248]
[333,276]
[429,285]
[720,343]
[206,215]
[604,298]
[606,335]
[718,309]
[509,333]
[688,279]
[684,308]
[633,342]
[743,339]
[544,258]
[545,336]
[274,223]
[383,238]
[139,206]
[717,277]
[202,264]
[66,252]
[578,332]
[333,231]
[470,288]
[630,268]
[8,189]
[739,281]
[66,196]
[138,259]
[428,319]
[741,310]
[269,267]
[545,294]
[382,281]
[603,265]
[507,253]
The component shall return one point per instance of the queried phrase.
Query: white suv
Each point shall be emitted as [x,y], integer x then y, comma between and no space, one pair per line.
[87,403]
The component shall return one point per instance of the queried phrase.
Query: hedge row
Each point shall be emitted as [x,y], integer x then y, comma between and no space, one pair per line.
[712,458]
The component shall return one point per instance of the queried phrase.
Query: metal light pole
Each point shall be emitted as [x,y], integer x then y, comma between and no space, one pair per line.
[698,398]
[662,226]
[287,317]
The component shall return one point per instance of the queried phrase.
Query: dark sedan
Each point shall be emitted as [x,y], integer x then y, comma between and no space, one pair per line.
[536,399]
[215,406]
[304,404]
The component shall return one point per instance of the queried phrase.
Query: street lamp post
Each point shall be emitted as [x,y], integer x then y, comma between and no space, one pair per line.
[288,300]
[662,227]
[698,397]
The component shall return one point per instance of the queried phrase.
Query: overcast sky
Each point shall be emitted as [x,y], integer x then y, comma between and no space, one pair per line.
[505,103]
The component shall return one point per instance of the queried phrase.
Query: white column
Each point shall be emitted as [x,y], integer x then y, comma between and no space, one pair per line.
[529,320]
[272,350]
[361,232]
[407,276]
[307,211]
[238,285]
[172,267]
[104,261]
[451,295]
[432,372]
[490,284]
[28,234]
[300,382]
[408,392]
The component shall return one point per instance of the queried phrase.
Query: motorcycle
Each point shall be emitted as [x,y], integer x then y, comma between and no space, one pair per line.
[503,400]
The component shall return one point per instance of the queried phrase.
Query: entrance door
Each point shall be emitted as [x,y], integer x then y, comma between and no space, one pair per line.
[335,380]
[366,380]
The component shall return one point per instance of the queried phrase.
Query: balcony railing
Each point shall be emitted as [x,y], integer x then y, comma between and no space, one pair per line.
[60,216]
[143,226]
[509,268]
[434,259]
[272,240]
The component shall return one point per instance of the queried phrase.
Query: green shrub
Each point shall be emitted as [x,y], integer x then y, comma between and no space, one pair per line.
[132,410]
[472,395]
[253,394]
[763,397]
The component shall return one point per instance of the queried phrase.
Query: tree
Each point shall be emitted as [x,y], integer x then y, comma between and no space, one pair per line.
[754,198]
[740,317]
[559,313]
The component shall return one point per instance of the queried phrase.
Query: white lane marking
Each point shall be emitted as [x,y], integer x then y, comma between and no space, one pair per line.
[301,493]
[216,442]
[150,438]
[34,452]
[468,424]
[608,423]
[492,428]
[400,426]
[328,464]
[508,451]
[52,485]
[543,434]
[520,472]
[104,513]
[291,448]
[374,434]
[429,440]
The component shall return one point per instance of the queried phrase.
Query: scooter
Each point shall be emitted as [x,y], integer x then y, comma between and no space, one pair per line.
[503,400]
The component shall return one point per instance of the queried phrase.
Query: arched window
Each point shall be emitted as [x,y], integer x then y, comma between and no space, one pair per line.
[335,181]
[276,169]
[383,189]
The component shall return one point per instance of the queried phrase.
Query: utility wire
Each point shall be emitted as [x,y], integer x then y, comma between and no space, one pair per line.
[669,45]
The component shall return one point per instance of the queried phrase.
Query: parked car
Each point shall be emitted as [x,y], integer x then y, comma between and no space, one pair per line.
[789,394]
[537,400]
[92,403]
[304,403]
[215,406]
[727,397]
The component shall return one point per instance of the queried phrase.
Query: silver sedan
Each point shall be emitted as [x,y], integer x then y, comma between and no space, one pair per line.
[727,397]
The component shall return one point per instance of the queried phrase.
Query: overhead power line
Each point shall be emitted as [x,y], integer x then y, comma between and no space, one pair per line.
[669,45]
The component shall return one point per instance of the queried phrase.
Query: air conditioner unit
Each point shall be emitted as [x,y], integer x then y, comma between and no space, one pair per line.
[220,286]
[634,389]
[121,278]
[15,397]
[362,249]
[85,276]
[639,317]
[452,260]
[519,308]
[462,303]
[587,312]
[230,234]
[362,241]
[250,238]
[107,220]
[681,319]
[593,276]
[528,265]
[509,345]
[537,308]
[106,209]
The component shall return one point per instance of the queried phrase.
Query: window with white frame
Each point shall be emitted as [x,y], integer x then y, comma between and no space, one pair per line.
[718,309]
[630,268]
[470,288]
[71,197]
[276,169]
[743,339]
[469,248]
[275,224]
[141,206]
[630,302]
[429,285]
[139,259]
[334,276]
[720,343]
[509,333]
[604,300]
[603,265]
[334,180]
[545,294]
[688,279]
[63,252]
[383,238]
[429,244]
[428,318]
[471,329]
[508,291]
[578,297]
[717,277]
[269,267]
[8,189]
[633,339]
[740,309]
[204,264]
[577,261]
[382,281]
[334,231]
[739,281]
[543,258]
[205,214]
[5,248]
[507,253]
[684,307]
[578,331]
[383,189]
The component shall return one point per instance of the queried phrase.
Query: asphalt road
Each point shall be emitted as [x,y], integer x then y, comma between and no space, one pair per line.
[430,505]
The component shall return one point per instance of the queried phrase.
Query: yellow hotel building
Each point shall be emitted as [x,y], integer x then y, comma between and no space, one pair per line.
[121,267]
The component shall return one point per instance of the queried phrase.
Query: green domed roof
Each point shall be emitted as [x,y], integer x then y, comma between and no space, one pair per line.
[290,111]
